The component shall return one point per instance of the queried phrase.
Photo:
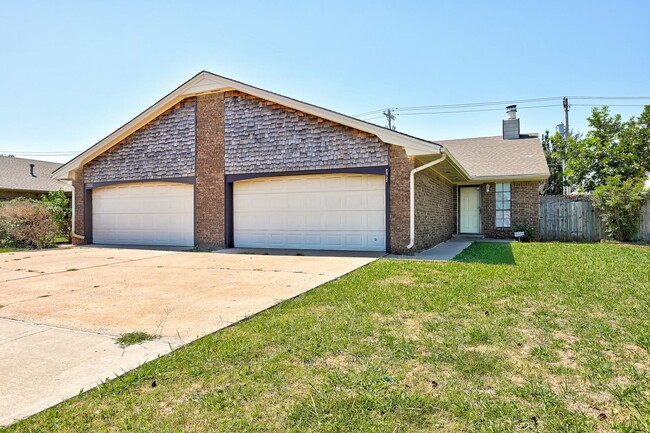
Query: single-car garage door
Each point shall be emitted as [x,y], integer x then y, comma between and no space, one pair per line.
[326,212]
[148,213]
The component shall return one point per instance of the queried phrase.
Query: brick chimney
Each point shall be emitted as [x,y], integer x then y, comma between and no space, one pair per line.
[511,124]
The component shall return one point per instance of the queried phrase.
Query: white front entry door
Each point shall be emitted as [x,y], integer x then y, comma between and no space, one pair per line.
[470,209]
[320,211]
[146,213]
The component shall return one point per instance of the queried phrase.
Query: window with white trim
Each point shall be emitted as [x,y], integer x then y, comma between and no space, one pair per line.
[503,205]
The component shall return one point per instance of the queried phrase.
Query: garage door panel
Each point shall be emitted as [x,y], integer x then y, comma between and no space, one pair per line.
[155,213]
[339,211]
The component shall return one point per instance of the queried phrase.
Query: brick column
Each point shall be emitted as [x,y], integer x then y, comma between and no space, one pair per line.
[400,169]
[79,207]
[210,176]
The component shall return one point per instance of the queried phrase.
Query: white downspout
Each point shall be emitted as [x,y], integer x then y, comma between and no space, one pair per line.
[412,190]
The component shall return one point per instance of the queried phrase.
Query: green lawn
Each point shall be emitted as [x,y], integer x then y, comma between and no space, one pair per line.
[6,250]
[512,337]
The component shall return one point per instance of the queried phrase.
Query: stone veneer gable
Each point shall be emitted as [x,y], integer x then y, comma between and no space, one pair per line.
[261,136]
[164,148]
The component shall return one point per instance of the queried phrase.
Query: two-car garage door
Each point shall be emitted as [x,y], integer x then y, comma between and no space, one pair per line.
[325,211]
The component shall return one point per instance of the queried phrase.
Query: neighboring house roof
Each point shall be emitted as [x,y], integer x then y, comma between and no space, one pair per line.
[496,158]
[207,82]
[16,175]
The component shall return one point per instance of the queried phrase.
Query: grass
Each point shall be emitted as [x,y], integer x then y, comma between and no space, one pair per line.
[6,250]
[509,337]
[131,338]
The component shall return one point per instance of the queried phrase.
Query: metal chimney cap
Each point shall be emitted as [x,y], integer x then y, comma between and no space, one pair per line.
[511,108]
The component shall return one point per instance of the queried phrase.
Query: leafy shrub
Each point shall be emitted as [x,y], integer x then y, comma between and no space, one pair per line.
[59,205]
[529,230]
[26,224]
[620,203]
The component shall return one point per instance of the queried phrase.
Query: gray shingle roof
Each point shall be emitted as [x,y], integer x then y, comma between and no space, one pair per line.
[15,175]
[494,157]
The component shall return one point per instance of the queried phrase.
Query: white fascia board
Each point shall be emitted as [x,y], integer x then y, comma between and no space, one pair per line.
[501,179]
[206,82]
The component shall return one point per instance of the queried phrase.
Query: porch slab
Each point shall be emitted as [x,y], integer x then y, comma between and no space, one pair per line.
[445,251]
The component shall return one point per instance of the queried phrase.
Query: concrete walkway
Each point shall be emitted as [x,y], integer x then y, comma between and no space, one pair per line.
[447,250]
[440,253]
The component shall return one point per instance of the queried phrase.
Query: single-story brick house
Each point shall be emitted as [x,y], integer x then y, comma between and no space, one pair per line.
[29,178]
[219,163]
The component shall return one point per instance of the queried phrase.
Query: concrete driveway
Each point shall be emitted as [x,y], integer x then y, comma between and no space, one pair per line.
[61,310]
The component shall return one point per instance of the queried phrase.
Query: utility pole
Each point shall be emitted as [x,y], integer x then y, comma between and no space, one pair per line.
[565,104]
[390,116]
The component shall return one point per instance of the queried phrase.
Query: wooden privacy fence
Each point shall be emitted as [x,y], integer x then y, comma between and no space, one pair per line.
[575,219]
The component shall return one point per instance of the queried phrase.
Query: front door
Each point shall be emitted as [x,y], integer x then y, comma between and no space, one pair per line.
[470,209]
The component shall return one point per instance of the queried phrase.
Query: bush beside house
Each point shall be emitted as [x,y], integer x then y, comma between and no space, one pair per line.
[29,223]
[620,202]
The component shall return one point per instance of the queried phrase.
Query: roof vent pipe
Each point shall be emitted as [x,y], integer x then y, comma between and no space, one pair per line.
[31,170]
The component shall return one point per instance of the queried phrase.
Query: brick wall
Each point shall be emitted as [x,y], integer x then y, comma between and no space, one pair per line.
[455,204]
[400,168]
[524,208]
[434,209]
[79,214]
[164,148]
[434,205]
[261,136]
[210,176]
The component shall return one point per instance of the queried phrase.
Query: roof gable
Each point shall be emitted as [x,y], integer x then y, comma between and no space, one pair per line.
[207,82]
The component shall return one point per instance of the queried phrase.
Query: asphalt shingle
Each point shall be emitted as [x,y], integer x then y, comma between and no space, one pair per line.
[494,156]
[15,175]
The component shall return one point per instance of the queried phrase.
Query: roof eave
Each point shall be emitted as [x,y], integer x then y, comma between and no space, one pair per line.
[510,178]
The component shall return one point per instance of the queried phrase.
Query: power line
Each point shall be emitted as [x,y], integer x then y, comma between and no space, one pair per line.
[490,103]
[373,118]
[368,113]
[20,152]
[609,97]
[471,111]
[610,105]
[477,104]
[464,105]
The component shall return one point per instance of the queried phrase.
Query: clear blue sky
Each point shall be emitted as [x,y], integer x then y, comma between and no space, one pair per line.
[72,72]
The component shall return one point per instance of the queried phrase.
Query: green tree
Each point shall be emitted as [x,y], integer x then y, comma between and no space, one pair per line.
[59,206]
[612,147]
[620,202]
[555,149]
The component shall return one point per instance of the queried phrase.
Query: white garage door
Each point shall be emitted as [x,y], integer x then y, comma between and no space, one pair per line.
[148,213]
[326,212]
